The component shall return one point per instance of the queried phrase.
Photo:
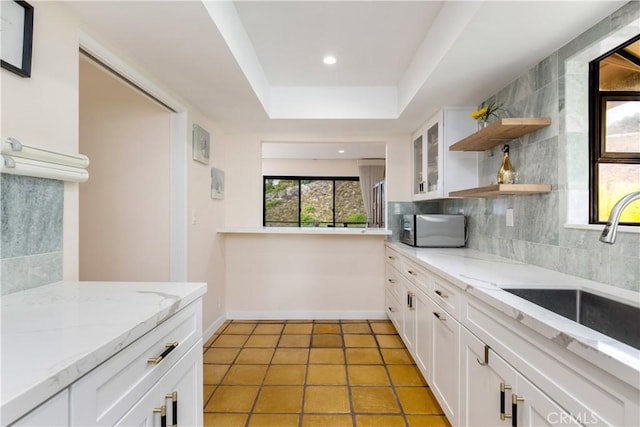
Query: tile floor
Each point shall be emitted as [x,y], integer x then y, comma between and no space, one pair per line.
[314,373]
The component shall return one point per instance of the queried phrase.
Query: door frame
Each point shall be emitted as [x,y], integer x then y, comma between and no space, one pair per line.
[178,151]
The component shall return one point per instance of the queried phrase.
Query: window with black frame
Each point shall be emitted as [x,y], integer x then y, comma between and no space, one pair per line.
[614,102]
[313,202]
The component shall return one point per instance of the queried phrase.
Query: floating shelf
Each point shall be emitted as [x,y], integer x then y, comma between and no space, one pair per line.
[499,132]
[496,190]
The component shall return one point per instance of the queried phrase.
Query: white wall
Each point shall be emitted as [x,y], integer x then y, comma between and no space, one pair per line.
[43,110]
[125,206]
[309,167]
[302,276]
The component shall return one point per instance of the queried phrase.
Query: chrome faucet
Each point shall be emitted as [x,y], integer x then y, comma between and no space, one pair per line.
[609,233]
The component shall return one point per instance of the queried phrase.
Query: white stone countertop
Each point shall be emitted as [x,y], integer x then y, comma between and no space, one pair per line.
[339,231]
[54,334]
[484,275]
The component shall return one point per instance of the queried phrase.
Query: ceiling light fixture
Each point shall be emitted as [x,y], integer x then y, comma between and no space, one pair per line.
[329,60]
[341,151]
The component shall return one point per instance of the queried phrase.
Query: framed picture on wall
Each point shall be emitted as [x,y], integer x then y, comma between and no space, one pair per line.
[16,28]
[217,183]
[200,145]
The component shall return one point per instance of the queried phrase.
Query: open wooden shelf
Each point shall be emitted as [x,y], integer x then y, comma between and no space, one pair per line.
[500,132]
[502,190]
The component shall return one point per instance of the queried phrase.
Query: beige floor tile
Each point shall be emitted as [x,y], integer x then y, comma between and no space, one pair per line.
[273,420]
[213,374]
[255,356]
[428,421]
[406,375]
[239,328]
[285,375]
[359,341]
[326,356]
[327,321]
[225,420]
[356,328]
[363,356]
[367,375]
[390,341]
[262,341]
[313,420]
[291,356]
[326,340]
[279,399]
[230,341]
[383,328]
[380,421]
[207,392]
[374,399]
[396,356]
[295,341]
[418,400]
[326,375]
[210,340]
[220,355]
[232,399]
[269,329]
[245,375]
[326,399]
[329,328]
[298,328]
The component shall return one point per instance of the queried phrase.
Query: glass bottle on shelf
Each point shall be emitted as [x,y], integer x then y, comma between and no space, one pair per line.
[506,174]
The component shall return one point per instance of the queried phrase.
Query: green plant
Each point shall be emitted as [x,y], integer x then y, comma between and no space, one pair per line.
[357,217]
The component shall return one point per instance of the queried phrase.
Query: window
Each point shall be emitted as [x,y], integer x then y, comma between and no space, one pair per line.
[614,102]
[313,202]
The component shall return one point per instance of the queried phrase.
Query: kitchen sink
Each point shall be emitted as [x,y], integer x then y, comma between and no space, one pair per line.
[612,318]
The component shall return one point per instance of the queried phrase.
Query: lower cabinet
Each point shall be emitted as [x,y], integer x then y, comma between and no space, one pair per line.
[172,397]
[52,413]
[493,393]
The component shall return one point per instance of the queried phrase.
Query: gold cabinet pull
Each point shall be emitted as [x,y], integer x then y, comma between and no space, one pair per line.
[163,415]
[170,346]
[503,388]
[486,356]
[174,407]
[441,295]
[514,409]
[439,316]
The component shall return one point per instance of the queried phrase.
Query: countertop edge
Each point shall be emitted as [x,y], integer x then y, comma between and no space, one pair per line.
[624,367]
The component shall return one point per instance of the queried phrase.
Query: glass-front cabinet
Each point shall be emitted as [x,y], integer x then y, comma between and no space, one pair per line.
[436,170]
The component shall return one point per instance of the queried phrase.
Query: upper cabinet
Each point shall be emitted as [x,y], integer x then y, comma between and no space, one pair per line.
[437,170]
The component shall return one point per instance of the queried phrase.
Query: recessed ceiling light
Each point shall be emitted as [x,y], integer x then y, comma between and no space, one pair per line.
[341,151]
[329,60]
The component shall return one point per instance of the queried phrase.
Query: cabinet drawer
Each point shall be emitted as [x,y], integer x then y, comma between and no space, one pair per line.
[394,258]
[107,392]
[394,310]
[446,295]
[393,281]
[420,277]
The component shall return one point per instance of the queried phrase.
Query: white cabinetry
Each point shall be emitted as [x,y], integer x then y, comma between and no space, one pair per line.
[52,413]
[436,170]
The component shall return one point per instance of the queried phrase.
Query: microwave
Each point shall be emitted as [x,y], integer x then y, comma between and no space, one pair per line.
[434,231]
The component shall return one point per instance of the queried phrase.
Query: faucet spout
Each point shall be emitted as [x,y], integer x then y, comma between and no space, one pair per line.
[610,230]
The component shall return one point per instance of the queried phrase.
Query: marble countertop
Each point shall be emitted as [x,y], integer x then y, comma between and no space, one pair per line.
[484,275]
[54,334]
[340,231]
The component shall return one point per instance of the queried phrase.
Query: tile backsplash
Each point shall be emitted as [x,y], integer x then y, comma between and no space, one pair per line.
[31,212]
[540,236]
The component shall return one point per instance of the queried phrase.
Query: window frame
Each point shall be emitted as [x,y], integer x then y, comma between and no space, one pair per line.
[597,118]
[298,178]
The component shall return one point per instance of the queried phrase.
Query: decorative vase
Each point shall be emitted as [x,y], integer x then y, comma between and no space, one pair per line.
[482,124]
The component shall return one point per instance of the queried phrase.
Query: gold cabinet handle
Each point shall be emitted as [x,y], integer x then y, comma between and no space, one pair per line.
[174,407]
[439,316]
[514,409]
[391,309]
[486,356]
[503,388]
[163,415]
[391,281]
[411,272]
[441,295]
[170,346]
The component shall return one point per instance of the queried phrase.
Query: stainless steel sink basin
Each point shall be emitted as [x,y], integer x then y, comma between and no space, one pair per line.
[612,318]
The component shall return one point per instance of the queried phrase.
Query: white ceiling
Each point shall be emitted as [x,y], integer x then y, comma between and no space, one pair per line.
[256,66]
[324,150]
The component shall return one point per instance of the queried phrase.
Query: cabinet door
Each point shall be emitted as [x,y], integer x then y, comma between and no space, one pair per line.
[537,409]
[419,157]
[445,368]
[409,318]
[424,335]
[481,377]
[433,164]
[53,412]
[394,310]
[185,379]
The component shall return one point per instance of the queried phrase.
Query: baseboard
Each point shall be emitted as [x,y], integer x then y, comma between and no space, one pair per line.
[306,315]
[208,333]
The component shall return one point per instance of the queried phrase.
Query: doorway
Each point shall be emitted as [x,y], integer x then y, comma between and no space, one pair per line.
[125,207]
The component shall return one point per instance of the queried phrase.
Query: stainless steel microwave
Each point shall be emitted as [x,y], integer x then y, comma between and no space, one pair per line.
[434,231]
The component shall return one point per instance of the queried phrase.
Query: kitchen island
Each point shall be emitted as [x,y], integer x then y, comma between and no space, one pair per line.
[54,335]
